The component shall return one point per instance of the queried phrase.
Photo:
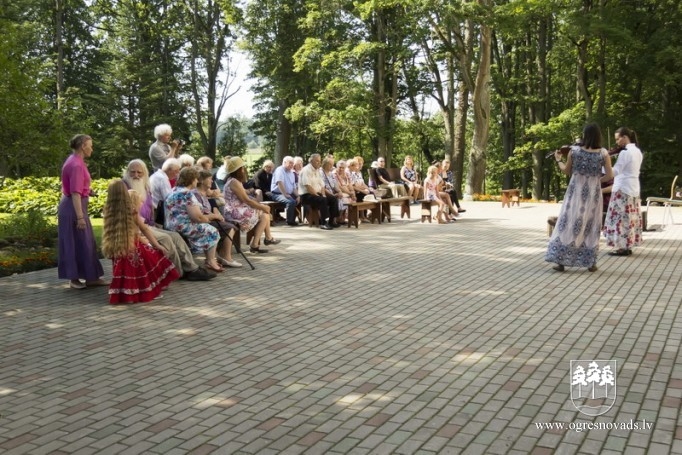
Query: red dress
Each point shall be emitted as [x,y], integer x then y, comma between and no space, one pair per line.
[141,275]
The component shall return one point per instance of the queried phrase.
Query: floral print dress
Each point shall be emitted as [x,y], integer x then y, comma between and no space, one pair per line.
[199,236]
[575,240]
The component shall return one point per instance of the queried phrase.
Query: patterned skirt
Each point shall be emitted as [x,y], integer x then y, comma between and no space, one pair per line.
[623,224]
[140,276]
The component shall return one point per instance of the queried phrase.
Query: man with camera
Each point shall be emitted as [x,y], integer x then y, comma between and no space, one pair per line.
[163,148]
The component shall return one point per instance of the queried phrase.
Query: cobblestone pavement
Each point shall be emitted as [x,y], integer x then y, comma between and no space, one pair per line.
[398,338]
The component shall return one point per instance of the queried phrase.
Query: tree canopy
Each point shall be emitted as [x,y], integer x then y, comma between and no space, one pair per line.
[491,84]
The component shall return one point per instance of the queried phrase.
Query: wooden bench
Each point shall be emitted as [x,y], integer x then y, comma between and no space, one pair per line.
[354,212]
[403,202]
[275,208]
[426,209]
[511,197]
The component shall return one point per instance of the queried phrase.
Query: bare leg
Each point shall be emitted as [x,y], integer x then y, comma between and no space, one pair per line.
[258,230]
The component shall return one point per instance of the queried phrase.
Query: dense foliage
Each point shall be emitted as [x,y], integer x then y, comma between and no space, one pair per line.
[492,84]
[42,195]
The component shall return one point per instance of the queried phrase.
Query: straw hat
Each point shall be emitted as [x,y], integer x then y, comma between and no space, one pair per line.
[234,163]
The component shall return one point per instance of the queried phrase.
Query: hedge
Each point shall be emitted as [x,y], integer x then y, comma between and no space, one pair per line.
[43,194]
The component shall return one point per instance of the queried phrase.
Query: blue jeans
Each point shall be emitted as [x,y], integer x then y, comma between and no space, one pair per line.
[290,204]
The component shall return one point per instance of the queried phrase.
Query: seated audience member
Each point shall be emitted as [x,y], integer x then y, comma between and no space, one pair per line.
[160,185]
[140,269]
[183,215]
[449,180]
[410,178]
[186,160]
[214,194]
[441,191]
[298,166]
[348,193]
[432,193]
[285,190]
[373,181]
[225,230]
[384,180]
[357,181]
[163,148]
[262,179]
[221,174]
[313,194]
[136,177]
[240,209]
[332,188]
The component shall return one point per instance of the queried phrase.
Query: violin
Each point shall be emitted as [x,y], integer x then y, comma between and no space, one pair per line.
[615,150]
[564,149]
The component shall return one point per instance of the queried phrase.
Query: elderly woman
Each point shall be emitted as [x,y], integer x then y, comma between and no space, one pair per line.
[184,215]
[410,179]
[357,181]
[343,178]
[331,186]
[225,229]
[77,254]
[243,210]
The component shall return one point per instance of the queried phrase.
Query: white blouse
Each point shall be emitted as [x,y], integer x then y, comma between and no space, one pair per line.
[626,171]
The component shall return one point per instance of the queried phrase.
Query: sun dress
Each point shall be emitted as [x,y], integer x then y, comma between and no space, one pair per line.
[141,275]
[431,190]
[199,236]
[575,240]
[238,212]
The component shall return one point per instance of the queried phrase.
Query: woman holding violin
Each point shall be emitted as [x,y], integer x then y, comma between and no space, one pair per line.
[575,240]
[623,223]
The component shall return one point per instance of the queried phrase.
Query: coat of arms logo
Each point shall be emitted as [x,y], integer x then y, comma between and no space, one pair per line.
[593,385]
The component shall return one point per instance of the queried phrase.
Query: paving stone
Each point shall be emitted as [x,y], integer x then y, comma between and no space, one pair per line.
[382,362]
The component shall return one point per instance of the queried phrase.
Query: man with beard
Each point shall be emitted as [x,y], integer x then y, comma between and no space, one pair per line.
[136,177]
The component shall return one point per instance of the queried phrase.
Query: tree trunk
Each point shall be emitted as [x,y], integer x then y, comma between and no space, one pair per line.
[59,50]
[283,132]
[481,102]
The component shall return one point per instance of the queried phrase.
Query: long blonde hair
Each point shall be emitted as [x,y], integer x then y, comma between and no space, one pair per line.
[120,230]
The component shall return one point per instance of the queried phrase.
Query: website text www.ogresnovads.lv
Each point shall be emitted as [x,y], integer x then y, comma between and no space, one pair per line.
[586,426]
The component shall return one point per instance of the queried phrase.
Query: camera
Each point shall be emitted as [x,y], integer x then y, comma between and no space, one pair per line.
[181,142]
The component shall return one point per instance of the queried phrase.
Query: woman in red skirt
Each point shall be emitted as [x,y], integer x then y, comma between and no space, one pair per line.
[141,269]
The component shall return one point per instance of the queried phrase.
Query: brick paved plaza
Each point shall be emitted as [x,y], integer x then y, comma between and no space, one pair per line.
[394,338]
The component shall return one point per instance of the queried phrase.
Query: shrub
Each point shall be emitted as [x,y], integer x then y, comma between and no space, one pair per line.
[43,194]
[27,235]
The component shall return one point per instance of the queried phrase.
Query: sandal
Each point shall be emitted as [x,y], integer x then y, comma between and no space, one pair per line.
[215,268]
[257,249]
[272,241]
[592,269]
[559,268]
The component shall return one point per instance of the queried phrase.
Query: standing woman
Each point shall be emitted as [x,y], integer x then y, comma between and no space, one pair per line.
[77,255]
[623,225]
[575,240]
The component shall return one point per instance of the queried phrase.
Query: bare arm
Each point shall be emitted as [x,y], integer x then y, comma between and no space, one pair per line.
[608,175]
[238,190]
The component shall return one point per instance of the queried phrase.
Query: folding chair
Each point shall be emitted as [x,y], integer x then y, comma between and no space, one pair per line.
[668,203]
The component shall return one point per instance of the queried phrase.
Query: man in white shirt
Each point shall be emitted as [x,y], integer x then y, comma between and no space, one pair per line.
[159,181]
[311,188]
[284,190]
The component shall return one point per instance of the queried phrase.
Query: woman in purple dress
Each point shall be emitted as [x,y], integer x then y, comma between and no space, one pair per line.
[77,254]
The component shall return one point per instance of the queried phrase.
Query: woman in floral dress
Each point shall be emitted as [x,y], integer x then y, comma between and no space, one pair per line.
[575,240]
[184,215]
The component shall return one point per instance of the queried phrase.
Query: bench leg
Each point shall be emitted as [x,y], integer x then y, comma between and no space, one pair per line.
[405,209]
[426,211]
